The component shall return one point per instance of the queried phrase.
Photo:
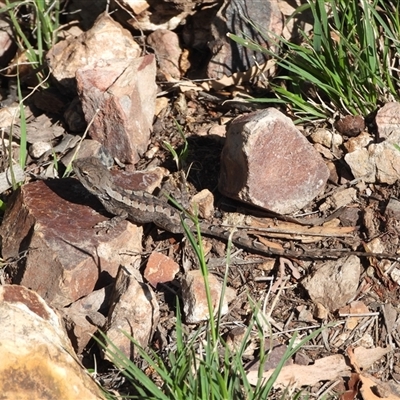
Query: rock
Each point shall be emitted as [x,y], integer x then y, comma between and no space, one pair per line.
[168,53]
[83,317]
[66,257]
[393,209]
[194,296]
[89,148]
[387,120]
[234,17]
[203,203]
[335,283]
[378,163]
[322,136]
[36,355]
[361,165]
[350,216]
[323,151]
[125,93]
[350,125]
[387,161]
[333,173]
[358,142]
[106,40]
[326,138]
[268,163]
[146,180]
[134,311]
[218,131]
[37,149]
[8,44]
[160,269]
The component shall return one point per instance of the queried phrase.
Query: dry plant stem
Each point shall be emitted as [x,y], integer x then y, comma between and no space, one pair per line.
[274,302]
[362,327]
[263,279]
[303,328]
[325,340]
[388,328]
[295,272]
[371,314]
[288,321]
[339,188]
[84,135]
[326,389]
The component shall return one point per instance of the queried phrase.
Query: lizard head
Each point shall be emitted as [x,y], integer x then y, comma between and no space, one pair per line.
[92,173]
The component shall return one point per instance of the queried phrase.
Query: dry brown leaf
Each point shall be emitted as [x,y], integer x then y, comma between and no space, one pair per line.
[355,307]
[351,392]
[369,386]
[324,369]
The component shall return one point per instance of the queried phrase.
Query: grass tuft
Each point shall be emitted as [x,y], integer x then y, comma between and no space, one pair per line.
[349,64]
[200,365]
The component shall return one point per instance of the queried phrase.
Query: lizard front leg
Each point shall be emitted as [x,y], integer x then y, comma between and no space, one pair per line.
[112,222]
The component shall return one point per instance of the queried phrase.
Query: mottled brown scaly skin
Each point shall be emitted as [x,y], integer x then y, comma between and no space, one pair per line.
[142,208]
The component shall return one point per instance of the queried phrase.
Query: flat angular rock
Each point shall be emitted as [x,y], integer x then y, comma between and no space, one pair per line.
[160,269]
[37,359]
[202,203]
[40,129]
[8,45]
[83,317]
[379,162]
[335,283]
[268,163]
[65,257]
[106,40]
[134,311]
[387,120]
[168,52]
[234,17]
[120,97]
[195,300]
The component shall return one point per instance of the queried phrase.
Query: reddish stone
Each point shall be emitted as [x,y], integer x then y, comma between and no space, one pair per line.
[267,162]
[160,269]
[49,228]
[118,97]
[168,52]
